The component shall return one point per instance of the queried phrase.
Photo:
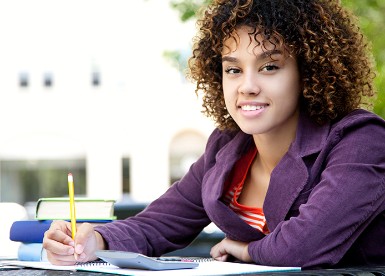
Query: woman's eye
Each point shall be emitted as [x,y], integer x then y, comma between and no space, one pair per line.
[232,71]
[269,67]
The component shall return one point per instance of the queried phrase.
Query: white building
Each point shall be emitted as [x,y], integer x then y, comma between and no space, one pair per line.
[140,108]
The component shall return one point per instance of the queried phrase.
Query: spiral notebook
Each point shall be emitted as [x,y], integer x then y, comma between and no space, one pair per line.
[204,268]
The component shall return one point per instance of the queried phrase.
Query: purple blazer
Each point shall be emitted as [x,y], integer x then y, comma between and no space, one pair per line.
[324,205]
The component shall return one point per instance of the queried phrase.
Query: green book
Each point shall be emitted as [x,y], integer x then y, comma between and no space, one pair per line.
[55,208]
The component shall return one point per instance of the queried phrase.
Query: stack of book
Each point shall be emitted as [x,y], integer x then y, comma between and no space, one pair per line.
[30,233]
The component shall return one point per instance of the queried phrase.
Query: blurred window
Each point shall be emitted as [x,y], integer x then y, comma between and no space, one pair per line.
[95,78]
[23,79]
[126,175]
[48,79]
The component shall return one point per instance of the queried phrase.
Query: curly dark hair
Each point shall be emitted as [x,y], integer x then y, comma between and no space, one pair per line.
[333,56]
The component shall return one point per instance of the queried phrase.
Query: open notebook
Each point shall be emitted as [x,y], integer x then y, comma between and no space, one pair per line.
[204,268]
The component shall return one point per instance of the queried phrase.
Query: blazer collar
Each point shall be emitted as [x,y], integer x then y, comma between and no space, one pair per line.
[310,137]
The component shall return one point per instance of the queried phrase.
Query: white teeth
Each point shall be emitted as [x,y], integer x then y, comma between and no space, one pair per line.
[251,107]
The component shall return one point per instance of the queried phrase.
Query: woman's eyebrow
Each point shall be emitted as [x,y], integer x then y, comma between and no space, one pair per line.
[269,53]
[229,59]
[261,56]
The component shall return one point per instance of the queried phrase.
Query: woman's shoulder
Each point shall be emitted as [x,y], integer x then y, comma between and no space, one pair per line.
[365,123]
[362,114]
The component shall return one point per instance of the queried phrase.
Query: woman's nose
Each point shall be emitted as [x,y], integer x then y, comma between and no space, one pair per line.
[249,84]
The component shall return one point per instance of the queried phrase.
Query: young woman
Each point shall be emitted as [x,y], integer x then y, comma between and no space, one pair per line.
[294,174]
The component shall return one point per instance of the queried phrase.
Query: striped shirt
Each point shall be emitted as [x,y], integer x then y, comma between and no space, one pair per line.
[251,215]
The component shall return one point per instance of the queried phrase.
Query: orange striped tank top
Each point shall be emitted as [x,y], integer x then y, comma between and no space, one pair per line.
[251,215]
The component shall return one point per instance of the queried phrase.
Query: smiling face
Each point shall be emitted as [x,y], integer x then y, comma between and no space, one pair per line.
[261,85]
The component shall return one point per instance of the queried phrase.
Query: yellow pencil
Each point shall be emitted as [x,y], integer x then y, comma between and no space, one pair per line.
[72,204]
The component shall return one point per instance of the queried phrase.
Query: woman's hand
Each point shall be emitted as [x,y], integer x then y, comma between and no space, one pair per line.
[62,250]
[227,247]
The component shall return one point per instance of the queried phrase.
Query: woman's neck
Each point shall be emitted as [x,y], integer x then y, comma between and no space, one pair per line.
[273,146]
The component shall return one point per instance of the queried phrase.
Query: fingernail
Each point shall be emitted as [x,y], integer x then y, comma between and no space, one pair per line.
[71,251]
[72,243]
[79,249]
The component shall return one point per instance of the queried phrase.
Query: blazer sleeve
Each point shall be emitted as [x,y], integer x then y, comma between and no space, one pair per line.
[341,204]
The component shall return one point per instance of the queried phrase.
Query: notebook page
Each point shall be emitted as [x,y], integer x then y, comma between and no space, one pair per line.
[204,268]
[39,265]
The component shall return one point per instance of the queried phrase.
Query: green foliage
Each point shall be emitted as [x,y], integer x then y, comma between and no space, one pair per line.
[372,22]
[188,8]
[177,59]
[371,18]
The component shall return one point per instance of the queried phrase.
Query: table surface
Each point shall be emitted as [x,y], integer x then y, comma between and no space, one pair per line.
[361,271]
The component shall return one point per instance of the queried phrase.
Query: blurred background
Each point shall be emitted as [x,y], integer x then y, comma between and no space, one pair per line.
[97,88]
[94,88]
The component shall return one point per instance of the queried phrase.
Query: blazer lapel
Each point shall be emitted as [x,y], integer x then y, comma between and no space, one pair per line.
[212,191]
[286,182]
[291,174]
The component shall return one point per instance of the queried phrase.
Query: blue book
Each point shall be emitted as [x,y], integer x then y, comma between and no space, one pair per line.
[32,231]
[29,231]
[31,252]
